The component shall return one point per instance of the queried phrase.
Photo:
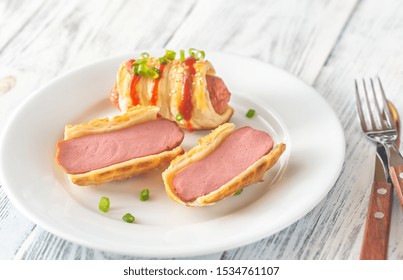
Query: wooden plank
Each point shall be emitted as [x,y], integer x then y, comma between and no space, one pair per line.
[14,228]
[41,43]
[294,35]
[297,36]
[15,16]
[371,44]
[43,245]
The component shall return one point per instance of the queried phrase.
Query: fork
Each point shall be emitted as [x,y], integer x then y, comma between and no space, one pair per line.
[380,127]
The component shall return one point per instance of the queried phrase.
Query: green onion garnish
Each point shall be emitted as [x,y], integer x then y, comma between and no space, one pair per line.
[250,113]
[162,60]
[182,55]
[170,54]
[145,55]
[153,74]
[197,54]
[156,69]
[135,69]
[144,195]
[238,192]
[140,61]
[179,117]
[104,204]
[145,71]
[128,218]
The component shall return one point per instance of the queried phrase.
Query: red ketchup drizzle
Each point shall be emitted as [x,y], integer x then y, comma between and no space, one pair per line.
[154,96]
[186,105]
[135,79]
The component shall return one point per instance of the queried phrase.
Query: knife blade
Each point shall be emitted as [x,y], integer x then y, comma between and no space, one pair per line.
[376,235]
[396,159]
[381,165]
[396,171]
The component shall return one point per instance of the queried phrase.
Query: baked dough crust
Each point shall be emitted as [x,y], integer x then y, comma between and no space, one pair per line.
[133,116]
[205,146]
[170,93]
[123,170]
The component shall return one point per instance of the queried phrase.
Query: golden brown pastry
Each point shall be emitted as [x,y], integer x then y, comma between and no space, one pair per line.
[186,91]
[224,162]
[117,148]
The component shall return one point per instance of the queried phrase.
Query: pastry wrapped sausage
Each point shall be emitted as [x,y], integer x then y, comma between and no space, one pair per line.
[186,91]
[117,148]
[225,161]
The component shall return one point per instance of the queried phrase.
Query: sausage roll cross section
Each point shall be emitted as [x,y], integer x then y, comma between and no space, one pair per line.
[117,148]
[225,161]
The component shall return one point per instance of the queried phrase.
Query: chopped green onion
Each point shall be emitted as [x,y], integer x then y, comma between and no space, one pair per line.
[135,69]
[182,55]
[156,69]
[128,218]
[153,74]
[197,54]
[170,54]
[142,70]
[104,204]
[162,60]
[201,55]
[144,195]
[179,117]
[140,61]
[250,113]
[145,55]
[238,192]
[145,71]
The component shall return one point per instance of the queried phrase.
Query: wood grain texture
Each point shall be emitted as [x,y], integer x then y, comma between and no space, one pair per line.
[371,44]
[376,235]
[57,36]
[294,35]
[13,228]
[298,39]
[15,16]
[326,43]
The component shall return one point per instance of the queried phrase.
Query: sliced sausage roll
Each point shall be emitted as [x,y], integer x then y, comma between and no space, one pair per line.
[117,148]
[186,91]
[225,161]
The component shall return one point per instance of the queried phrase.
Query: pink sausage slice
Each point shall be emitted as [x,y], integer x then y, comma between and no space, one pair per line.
[91,152]
[218,93]
[237,152]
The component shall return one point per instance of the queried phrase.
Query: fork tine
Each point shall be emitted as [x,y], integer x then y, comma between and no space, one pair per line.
[386,109]
[378,110]
[371,118]
[359,107]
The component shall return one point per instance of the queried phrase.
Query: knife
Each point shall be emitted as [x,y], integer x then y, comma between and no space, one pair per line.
[396,171]
[396,159]
[376,235]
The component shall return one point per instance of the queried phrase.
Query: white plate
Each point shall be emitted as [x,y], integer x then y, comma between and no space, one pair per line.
[287,108]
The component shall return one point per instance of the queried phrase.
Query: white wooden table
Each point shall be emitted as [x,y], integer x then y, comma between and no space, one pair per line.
[325,43]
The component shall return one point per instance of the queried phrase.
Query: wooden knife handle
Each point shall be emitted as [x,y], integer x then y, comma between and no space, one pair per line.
[376,235]
[396,174]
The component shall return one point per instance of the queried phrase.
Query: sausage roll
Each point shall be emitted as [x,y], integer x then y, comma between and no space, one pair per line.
[186,91]
[117,148]
[224,162]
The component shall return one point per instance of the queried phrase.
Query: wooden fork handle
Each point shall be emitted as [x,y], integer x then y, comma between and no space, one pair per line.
[396,174]
[376,235]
